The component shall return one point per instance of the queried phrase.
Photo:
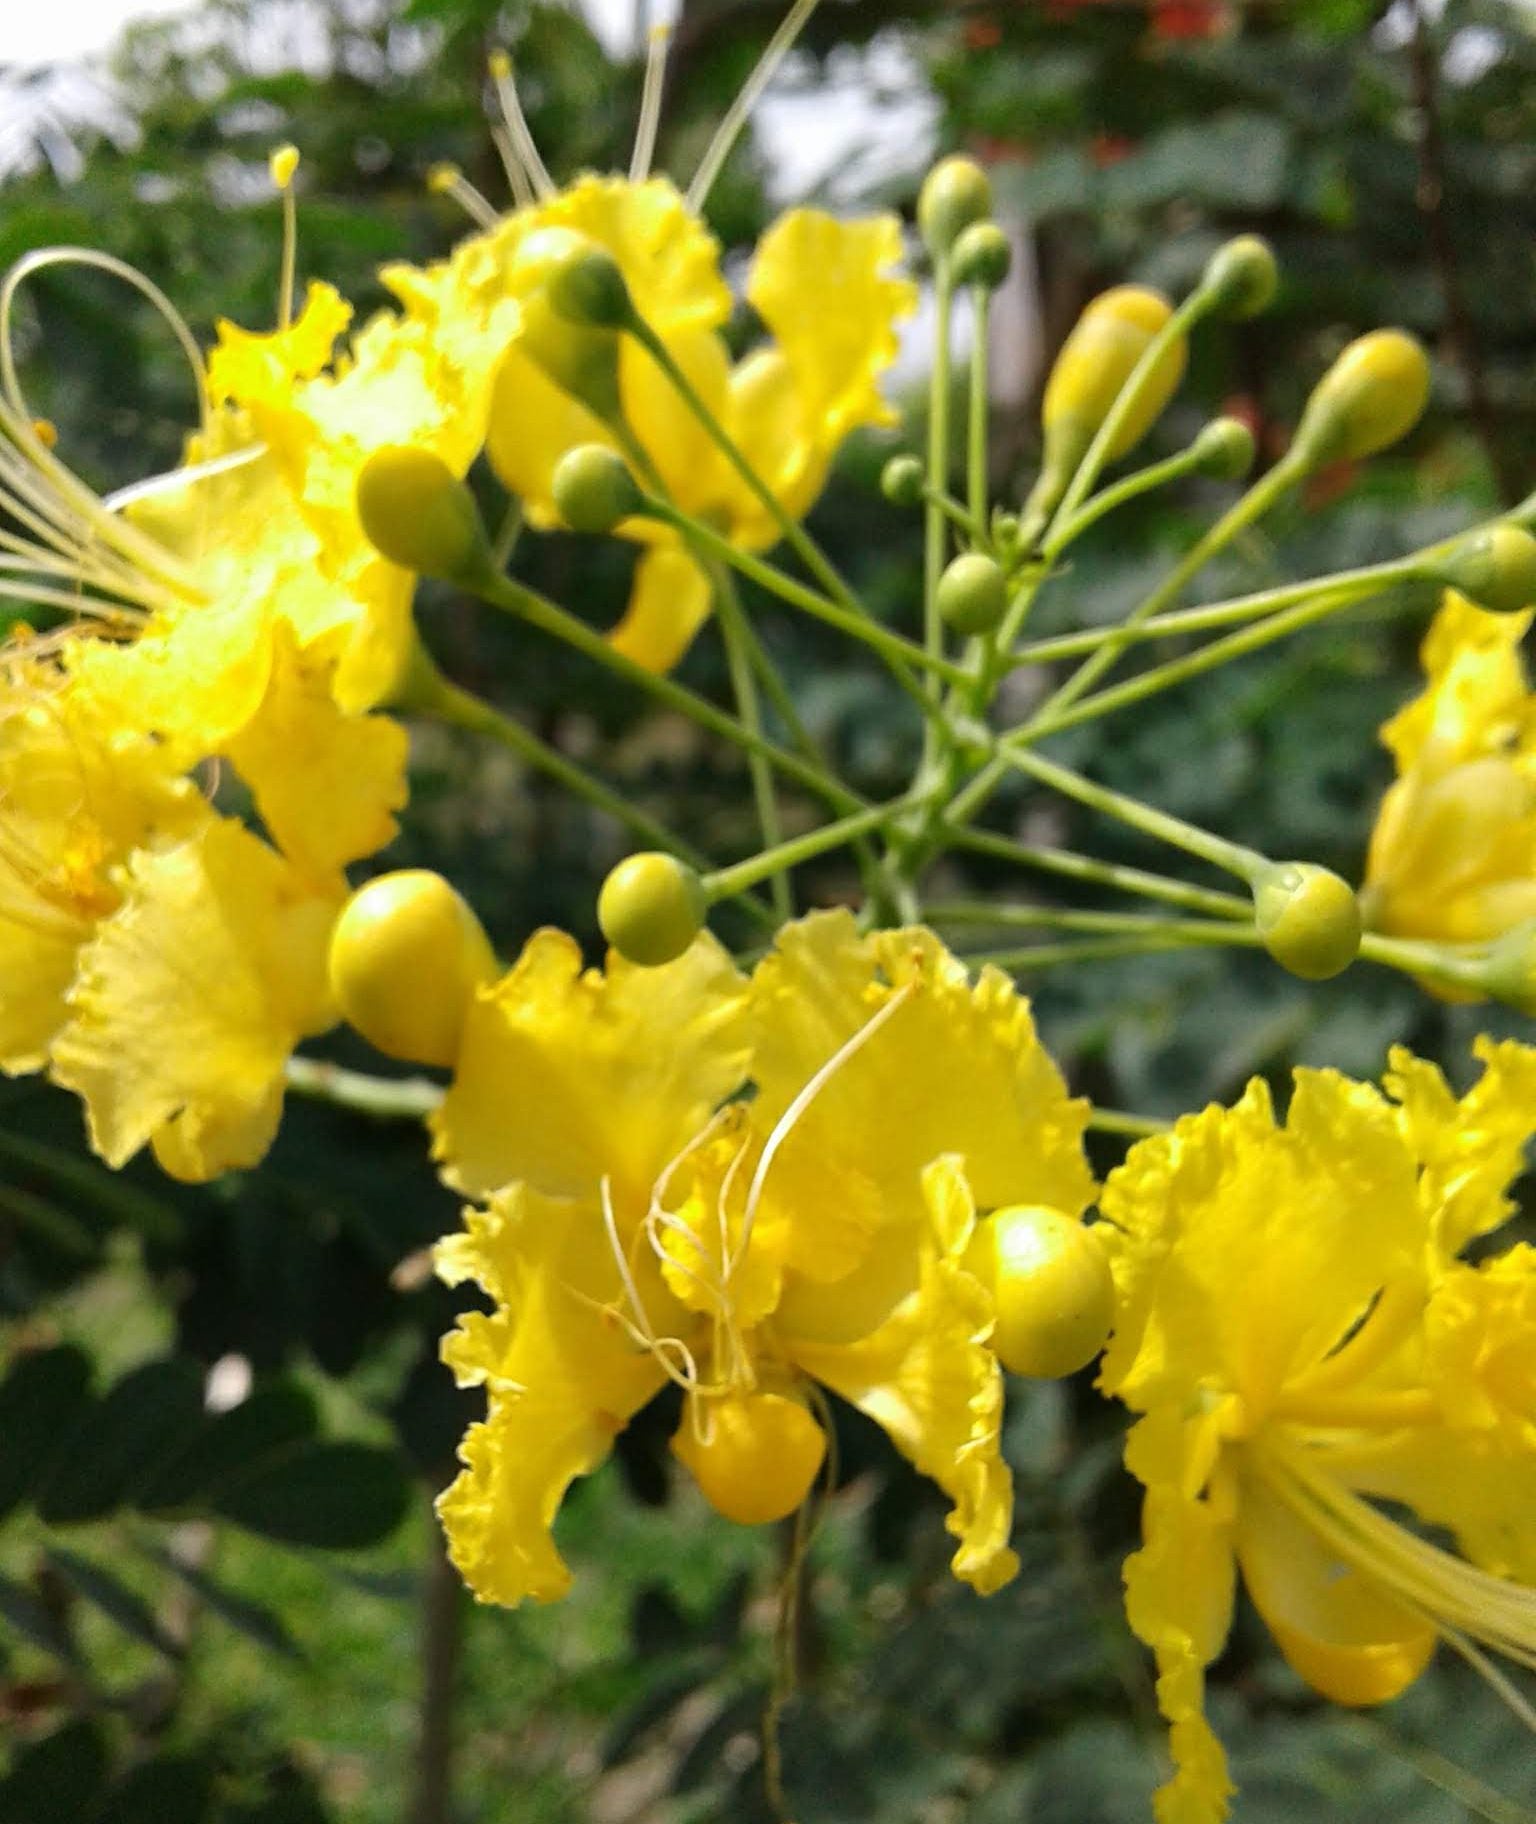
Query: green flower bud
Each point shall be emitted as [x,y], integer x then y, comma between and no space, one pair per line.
[651,908]
[901,481]
[1052,1290]
[981,256]
[1308,918]
[1242,278]
[416,512]
[973,594]
[1224,450]
[581,359]
[1496,568]
[593,489]
[1510,970]
[1372,396]
[407,955]
[587,286]
[955,193]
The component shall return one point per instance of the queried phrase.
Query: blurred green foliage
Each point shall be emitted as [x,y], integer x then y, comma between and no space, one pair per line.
[215,1618]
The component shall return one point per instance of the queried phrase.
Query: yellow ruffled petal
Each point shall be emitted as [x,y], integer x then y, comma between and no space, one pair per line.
[190,998]
[1471,1149]
[668,603]
[1480,1345]
[561,1376]
[926,1377]
[249,366]
[326,784]
[566,1078]
[824,288]
[1338,1628]
[1244,1252]
[1476,699]
[955,1068]
[1178,1600]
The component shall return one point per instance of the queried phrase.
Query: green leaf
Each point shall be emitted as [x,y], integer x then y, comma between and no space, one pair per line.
[36,1622]
[334,1496]
[41,1399]
[117,1602]
[131,1430]
[253,1619]
[59,1777]
[112,1195]
[231,1445]
[172,1790]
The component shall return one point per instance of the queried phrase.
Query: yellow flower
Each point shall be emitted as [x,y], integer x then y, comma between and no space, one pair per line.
[1453,855]
[1298,1336]
[154,957]
[824,293]
[78,795]
[645,1222]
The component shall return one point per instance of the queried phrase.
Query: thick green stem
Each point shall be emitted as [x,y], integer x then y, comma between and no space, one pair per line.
[538,611]
[1156,475]
[775,861]
[976,428]
[1194,307]
[1256,502]
[1231,857]
[1066,865]
[804,546]
[935,541]
[385,1098]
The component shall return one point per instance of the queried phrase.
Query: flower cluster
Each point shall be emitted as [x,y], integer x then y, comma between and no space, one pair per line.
[851,1168]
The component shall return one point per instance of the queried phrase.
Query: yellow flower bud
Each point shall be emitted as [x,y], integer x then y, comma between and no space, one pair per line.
[1224,449]
[1308,918]
[1051,1288]
[593,489]
[973,594]
[1373,395]
[901,481]
[981,256]
[755,1456]
[418,514]
[1242,277]
[583,361]
[1495,567]
[407,955]
[1095,362]
[955,193]
[651,908]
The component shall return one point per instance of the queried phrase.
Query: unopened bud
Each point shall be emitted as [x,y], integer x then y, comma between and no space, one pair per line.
[1510,971]
[901,481]
[1097,359]
[581,359]
[1224,450]
[1495,568]
[973,594]
[587,286]
[754,1455]
[1052,1291]
[407,955]
[1373,395]
[1242,278]
[651,908]
[593,489]
[981,256]
[416,512]
[1308,918]
[955,193]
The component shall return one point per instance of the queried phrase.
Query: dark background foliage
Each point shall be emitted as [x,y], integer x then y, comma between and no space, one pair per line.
[240,1616]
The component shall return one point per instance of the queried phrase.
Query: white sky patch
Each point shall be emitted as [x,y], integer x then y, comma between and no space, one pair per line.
[64,31]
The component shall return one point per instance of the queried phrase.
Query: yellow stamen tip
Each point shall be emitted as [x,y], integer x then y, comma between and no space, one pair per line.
[282,164]
[500,66]
[46,432]
[442,178]
[660,34]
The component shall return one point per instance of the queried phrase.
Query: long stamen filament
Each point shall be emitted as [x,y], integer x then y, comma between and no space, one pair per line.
[517,125]
[736,116]
[650,103]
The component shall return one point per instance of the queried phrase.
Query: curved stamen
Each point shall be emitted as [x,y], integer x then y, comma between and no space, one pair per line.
[650,103]
[517,125]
